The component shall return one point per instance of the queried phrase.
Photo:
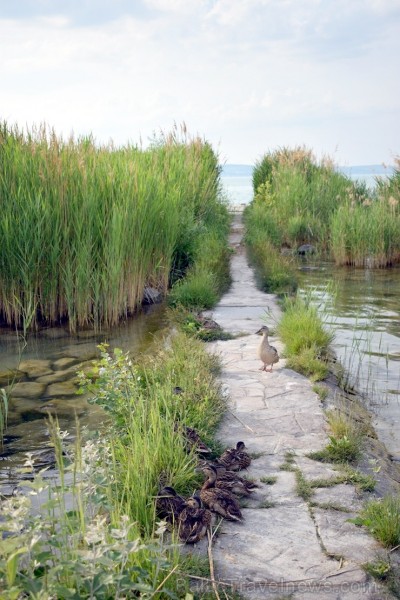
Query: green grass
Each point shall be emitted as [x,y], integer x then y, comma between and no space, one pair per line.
[298,200]
[85,227]
[321,390]
[299,194]
[382,519]
[305,337]
[269,479]
[367,234]
[345,441]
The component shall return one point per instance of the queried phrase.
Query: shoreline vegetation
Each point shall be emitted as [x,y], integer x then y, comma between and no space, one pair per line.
[298,201]
[85,228]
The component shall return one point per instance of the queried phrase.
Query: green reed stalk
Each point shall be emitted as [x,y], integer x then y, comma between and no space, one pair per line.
[85,227]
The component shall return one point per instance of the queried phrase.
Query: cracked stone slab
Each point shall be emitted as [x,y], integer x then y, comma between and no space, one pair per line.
[342,538]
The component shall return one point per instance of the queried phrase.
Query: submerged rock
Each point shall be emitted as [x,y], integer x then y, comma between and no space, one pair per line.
[64,363]
[35,367]
[27,389]
[10,375]
[82,351]
[63,388]
[65,407]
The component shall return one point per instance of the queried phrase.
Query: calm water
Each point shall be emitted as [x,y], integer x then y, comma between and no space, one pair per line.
[237,181]
[54,348]
[362,307]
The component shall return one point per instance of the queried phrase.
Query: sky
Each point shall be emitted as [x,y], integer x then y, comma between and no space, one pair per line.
[249,76]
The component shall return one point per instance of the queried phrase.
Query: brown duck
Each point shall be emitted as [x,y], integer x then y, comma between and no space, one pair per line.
[193,521]
[218,500]
[192,439]
[169,504]
[235,459]
[267,353]
[231,481]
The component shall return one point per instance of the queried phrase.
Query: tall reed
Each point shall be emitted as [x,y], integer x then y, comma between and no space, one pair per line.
[299,193]
[85,227]
[368,233]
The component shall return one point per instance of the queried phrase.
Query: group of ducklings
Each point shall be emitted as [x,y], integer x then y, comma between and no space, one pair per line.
[193,516]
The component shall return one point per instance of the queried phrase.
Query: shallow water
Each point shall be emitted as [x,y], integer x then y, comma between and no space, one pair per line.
[362,307]
[49,361]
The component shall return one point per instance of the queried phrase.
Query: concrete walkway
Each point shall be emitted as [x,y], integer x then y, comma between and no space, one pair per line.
[286,547]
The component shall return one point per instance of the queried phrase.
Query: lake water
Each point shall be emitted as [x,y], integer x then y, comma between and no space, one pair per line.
[237,180]
[362,307]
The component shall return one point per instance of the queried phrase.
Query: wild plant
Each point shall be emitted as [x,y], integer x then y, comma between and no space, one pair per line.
[65,539]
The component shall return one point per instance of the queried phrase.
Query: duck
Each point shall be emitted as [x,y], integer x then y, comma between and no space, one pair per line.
[217,500]
[241,485]
[267,353]
[169,504]
[235,459]
[194,520]
[192,439]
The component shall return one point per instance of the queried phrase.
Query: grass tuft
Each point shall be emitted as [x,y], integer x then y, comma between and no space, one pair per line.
[382,519]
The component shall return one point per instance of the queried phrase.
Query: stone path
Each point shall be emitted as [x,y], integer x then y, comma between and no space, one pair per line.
[286,547]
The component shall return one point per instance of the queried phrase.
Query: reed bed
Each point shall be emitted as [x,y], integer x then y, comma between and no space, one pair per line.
[299,194]
[85,228]
[300,201]
[367,234]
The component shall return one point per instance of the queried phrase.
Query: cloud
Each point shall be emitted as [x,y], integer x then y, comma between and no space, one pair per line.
[224,67]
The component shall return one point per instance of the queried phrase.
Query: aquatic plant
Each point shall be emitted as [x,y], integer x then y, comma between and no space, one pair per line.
[367,234]
[299,194]
[85,227]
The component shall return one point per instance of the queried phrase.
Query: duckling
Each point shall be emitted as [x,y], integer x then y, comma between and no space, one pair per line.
[193,521]
[169,504]
[217,500]
[235,459]
[267,353]
[231,481]
[192,439]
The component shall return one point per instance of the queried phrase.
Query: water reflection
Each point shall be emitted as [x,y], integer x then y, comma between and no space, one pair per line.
[362,307]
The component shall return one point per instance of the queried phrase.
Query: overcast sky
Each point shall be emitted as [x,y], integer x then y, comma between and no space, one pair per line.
[247,75]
